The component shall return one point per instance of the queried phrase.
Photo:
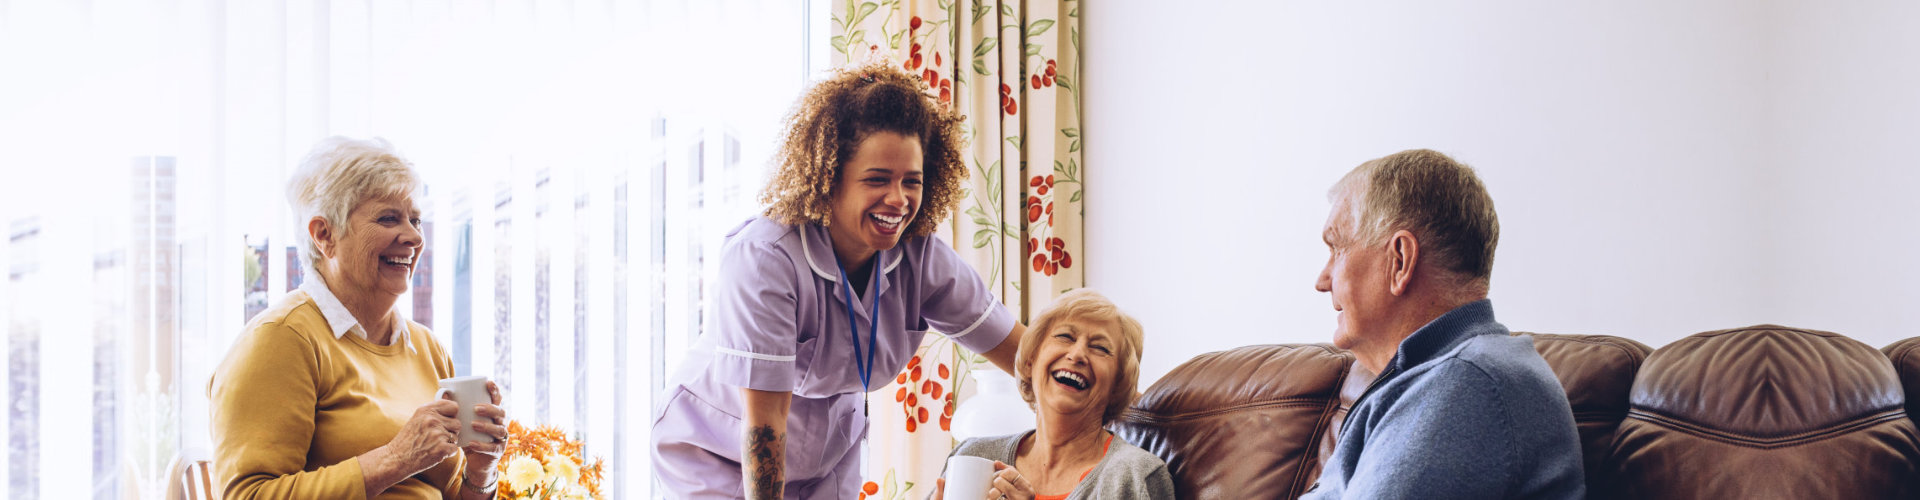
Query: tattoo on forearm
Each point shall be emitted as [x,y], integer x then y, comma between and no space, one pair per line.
[766,457]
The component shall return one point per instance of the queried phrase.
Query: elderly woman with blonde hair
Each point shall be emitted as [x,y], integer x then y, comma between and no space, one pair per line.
[1078,367]
[330,393]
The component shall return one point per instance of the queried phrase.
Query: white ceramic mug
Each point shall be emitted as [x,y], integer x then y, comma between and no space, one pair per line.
[467,391]
[968,477]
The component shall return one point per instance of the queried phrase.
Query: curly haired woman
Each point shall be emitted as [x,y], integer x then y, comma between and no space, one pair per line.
[825,295]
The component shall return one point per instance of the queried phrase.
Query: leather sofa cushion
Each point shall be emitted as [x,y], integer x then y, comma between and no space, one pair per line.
[1905,356]
[1764,412]
[1243,423]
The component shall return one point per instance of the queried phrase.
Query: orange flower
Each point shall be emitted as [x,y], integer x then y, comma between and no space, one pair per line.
[544,444]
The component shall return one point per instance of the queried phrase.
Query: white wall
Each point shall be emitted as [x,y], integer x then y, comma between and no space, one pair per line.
[1660,170]
[1847,121]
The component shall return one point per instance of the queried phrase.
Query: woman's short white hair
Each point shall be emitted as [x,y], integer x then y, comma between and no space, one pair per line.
[338,174]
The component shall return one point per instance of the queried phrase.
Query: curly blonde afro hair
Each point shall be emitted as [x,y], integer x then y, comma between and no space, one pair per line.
[831,119]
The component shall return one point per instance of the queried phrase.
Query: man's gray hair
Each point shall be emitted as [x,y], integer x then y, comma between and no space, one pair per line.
[337,175]
[1438,199]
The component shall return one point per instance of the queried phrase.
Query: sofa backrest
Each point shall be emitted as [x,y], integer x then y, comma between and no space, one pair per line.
[1249,422]
[1764,412]
[1757,412]
[1905,356]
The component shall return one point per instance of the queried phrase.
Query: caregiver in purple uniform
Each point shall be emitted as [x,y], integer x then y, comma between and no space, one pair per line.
[826,296]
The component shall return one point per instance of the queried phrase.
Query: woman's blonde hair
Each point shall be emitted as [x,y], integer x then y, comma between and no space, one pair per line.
[337,175]
[1087,304]
[831,119]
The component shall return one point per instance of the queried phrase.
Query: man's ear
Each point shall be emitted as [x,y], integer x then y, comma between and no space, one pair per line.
[322,234]
[1403,256]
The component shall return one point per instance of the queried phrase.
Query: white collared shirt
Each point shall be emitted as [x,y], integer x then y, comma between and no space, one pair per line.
[341,320]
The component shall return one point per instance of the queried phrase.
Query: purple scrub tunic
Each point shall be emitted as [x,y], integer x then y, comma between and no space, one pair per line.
[780,324]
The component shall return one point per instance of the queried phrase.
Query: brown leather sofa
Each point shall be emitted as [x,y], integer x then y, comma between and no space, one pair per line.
[1757,412]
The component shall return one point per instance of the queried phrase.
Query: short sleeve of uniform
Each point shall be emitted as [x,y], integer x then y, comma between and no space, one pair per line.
[955,301]
[755,325]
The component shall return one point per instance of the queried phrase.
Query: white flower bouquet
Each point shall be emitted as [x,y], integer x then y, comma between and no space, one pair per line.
[543,463]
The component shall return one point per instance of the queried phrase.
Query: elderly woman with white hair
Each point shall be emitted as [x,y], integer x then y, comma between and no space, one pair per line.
[1078,367]
[330,393]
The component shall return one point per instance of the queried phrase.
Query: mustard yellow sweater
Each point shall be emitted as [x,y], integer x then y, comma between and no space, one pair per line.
[293,406]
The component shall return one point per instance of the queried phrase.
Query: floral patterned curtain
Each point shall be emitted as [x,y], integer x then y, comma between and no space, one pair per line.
[1012,67]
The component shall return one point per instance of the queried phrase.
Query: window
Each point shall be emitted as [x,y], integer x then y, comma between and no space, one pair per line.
[583,161]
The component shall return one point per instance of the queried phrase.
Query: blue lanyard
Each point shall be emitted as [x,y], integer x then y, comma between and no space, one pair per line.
[873,323]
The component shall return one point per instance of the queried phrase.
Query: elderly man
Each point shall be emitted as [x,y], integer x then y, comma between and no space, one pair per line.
[1460,409]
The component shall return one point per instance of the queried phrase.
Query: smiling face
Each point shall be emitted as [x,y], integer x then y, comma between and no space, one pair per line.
[1356,276]
[877,196]
[376,255]
[1075,367]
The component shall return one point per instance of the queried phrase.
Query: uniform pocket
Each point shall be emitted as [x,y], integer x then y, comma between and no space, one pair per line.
[821,431]
[808,368]
[686,419]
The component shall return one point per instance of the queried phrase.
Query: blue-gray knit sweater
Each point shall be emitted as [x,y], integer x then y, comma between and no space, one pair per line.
[1462,411]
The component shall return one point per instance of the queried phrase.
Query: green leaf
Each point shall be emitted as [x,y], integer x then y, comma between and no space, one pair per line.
[907,489]
[982,220]
[840,44]
[980,11]
[983,238]
[865,9]
[1017,141]
[979,66]
[986,45]
[1065,82]
[1016,286]
[894,42]
[1039,27]
[1006,9]
[1073,146]
[857,37]
[1033,49]
[1076,196]
[979,216]
[835,14]
[1070,132]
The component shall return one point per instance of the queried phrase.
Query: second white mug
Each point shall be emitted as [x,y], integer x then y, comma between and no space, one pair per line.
[968,477]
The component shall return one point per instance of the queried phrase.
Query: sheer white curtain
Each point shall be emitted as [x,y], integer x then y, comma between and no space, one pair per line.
[582,159]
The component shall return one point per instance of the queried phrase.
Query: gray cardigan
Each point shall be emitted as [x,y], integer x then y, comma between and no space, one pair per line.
[1462,411]
[1126,472]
